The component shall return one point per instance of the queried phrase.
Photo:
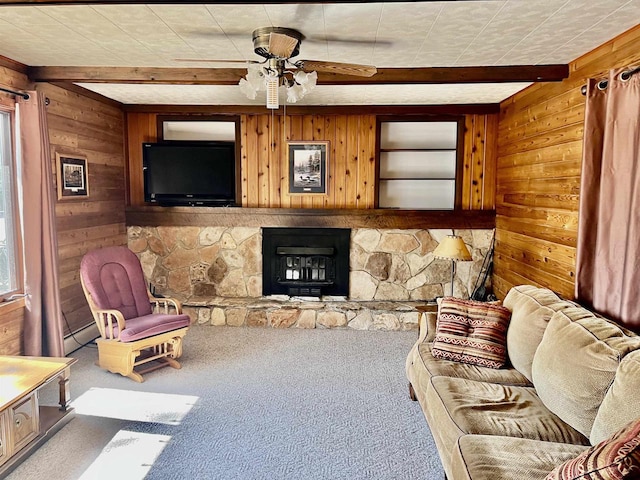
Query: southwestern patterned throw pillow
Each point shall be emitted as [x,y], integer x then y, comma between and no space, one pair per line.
[471,332]
[615,458]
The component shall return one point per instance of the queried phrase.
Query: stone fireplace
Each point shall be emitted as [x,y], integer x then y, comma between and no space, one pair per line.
[308,262]
[217,273]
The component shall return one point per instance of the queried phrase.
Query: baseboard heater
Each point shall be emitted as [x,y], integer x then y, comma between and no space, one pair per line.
[79,338]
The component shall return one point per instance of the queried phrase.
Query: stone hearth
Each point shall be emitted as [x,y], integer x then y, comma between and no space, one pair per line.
[217,273]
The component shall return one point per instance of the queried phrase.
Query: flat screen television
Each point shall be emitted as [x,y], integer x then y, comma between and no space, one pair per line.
[189,173]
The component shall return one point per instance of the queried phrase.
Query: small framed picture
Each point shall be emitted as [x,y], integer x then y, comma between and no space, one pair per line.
[72,176]
[308,165]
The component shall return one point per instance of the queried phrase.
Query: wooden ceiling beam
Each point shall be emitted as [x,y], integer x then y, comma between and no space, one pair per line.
[231,76]
[185,76]
[13,65]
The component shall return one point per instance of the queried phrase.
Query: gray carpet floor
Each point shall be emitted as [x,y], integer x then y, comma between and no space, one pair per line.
[249,403]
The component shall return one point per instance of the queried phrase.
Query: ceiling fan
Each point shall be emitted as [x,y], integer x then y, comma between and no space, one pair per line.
[277,45]
[281,44]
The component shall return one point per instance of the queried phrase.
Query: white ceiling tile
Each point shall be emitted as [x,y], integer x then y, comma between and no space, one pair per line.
[194,15]
[569,21]
[608,26]
[129,14]
[455,30]
[307,18]
[23,16]
[75,15]
[400,36]
[515,21]
[240,19]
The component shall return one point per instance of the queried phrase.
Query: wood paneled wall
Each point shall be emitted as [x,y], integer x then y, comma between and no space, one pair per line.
[11,313]
[352,159]
[84,126]
[540,136]
[351,164]
[479,176]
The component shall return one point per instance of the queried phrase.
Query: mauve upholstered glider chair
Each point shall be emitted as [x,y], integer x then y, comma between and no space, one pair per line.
[135,327]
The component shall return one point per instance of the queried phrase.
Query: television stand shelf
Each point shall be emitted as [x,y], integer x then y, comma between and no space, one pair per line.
[24,424]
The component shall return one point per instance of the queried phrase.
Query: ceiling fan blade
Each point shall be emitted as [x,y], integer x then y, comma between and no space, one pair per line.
[340,68]
[348,41]
[282,45]
[210,60]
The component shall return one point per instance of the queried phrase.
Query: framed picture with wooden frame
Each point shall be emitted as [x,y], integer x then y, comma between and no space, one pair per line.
[73,176]
[308,167]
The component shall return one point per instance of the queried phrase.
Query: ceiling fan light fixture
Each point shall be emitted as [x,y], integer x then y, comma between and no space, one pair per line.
[308,80]
[255,76]
[247,88]
[295,92]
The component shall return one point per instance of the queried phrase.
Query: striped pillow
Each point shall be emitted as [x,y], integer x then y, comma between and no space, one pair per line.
[615,458]
[471,332]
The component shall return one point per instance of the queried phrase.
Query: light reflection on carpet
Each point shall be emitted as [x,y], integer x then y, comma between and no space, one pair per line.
[129,455]
[169,409]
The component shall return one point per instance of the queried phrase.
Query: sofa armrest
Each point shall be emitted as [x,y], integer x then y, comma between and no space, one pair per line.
[427,324]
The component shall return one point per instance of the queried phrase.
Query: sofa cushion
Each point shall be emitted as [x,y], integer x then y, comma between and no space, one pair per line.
[621,403]
[455,406]
[448,368]
[487,457]
[615,458]
[576,363]
[531,308]
[150,325]
[471,332]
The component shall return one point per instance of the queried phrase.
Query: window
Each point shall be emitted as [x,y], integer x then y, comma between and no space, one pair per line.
[10,253]
[418,164]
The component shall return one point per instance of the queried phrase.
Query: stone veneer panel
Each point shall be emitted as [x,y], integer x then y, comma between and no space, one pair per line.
[204,267]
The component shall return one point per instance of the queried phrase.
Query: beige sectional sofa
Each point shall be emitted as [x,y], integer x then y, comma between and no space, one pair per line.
[572,379]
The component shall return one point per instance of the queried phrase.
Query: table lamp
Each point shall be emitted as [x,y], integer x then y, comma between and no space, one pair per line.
[452,247]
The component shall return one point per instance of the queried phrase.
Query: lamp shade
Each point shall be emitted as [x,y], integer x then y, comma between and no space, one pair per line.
[453,248]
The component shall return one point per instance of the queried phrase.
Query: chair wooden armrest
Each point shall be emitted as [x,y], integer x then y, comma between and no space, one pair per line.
[162,304]
[104,320]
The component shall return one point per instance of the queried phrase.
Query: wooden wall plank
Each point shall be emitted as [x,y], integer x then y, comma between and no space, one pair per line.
[469,126]
[339,162]
[488,178]
[296,134]
[264,155]
[363,165]
[12,328]
[319,201]
[274,167]
[244,156]
[330,132]
[351,172]
[253,152]
[477,164]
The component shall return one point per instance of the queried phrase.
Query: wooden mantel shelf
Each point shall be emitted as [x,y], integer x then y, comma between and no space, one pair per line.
[153,216]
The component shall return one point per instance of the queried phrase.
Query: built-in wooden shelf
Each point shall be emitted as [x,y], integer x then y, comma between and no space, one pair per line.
[153,216]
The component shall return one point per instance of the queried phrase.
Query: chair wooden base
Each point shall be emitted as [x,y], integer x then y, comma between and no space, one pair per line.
[122,357]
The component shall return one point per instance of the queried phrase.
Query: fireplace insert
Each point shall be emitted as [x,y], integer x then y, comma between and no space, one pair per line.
[305,261]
